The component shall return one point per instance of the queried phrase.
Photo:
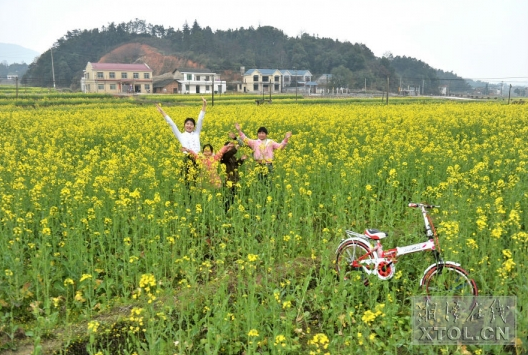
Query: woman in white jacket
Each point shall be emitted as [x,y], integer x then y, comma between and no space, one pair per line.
[189,138]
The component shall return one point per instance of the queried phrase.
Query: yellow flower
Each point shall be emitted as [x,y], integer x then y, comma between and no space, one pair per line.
[84,277]
[253,333]
[252,257]
[471,243]
[93,326]
[280,340]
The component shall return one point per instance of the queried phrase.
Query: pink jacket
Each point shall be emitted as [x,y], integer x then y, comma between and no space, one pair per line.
[263,149]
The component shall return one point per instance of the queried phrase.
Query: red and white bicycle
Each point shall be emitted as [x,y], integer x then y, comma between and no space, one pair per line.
[357,258]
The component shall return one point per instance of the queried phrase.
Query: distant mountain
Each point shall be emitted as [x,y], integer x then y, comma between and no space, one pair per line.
[13,53]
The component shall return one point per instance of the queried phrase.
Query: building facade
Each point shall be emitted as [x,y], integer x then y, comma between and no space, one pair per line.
[262,81]
[117,78]
[197,81]
[258,81]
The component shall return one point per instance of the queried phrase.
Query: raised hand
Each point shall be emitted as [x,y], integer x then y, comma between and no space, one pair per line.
[158,107]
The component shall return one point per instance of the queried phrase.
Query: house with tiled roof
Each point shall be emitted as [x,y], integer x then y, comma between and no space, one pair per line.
[189,81]
[116,78]
[276,80]
[261,81]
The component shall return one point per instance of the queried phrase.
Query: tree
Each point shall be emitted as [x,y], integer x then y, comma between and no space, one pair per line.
[342,77]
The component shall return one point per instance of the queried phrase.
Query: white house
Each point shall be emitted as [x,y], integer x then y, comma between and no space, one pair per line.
[197,81]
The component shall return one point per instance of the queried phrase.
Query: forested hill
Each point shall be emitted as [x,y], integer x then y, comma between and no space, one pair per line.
[226,51]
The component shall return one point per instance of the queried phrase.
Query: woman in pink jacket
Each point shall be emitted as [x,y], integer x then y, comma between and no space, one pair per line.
[263,147]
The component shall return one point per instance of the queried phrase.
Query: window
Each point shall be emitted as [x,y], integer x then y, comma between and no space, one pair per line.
[146,75]
[265,78]
[100,75]
[189,76]
[206,87]
[255,87]
[276,87]
[197,77]
[87,76]
[147,86]
[123,75]
[255,78]
[112,75]
[136,75]
[113,87]
[277,78]
[87,87]
[207,78]
[100,86]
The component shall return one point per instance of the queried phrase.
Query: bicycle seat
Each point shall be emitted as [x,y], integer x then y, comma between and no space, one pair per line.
[375,234]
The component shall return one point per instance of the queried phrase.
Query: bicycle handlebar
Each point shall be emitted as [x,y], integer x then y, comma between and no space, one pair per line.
[414,205]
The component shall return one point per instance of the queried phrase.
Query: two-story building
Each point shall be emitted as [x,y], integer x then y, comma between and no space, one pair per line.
[189,81]
[261,81]
[114,78]
[300,80]
[276,80]
[198,81]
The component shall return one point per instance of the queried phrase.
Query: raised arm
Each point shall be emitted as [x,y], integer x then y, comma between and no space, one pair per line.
[249,142]
[284,142]
[235,138]
[173,126]
[222,151]
[201,116]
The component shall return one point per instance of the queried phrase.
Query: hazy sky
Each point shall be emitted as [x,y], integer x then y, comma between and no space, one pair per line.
[478,39]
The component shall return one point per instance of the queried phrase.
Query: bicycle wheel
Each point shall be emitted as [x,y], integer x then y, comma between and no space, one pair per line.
[346,255]
[449,280]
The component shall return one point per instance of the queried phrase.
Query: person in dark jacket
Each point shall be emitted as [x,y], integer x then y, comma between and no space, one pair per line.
[232,163]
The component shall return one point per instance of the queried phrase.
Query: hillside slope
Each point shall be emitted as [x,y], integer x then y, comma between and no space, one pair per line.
[143,53]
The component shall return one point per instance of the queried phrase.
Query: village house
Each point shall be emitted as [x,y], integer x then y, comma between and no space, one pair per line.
[276,81]
[116,78]
[189,81]
[261,81]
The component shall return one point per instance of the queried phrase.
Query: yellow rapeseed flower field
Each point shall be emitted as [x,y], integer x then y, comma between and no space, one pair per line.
[95,208]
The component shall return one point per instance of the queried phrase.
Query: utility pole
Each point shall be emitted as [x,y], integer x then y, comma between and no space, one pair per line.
[296,85]
[387,90]
[212,91]
[16,80]
[365,85]
[509,94]
[52,68]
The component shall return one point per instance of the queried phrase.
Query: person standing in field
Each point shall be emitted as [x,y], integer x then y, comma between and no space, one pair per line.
[208,163]
[263,149]
[189,138]
[232,164]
